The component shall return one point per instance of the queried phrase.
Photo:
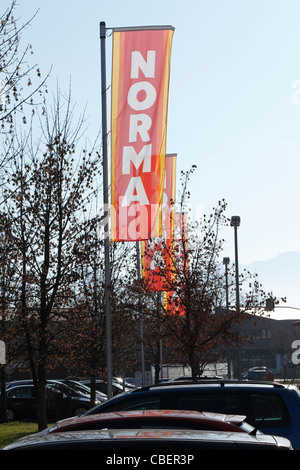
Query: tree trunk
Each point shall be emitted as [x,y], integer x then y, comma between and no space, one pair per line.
[157,365]
[41,404]
[93,389]
[3,417]
[195,366]
[41,384]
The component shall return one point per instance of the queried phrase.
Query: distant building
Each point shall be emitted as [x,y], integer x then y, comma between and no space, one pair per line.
[271,339]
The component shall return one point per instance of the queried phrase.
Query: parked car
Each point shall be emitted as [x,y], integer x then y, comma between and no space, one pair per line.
[130,381]
[259,373]
[154,445]
[125,383]
[82,388]
[101,386]
[78,387]
[275,408]
[61,401]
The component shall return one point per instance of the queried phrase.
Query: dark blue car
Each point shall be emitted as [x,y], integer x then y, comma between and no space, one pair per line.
[272,408]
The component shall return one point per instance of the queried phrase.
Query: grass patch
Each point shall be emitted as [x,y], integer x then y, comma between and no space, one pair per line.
[10,432]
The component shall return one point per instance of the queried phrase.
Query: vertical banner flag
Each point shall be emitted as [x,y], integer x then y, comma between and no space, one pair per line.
[156,252]
[139,104]
[172,301]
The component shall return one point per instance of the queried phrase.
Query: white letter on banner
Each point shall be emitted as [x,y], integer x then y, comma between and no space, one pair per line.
[135,185]
[139,124]
[149,99]
[129,154]
[138,62]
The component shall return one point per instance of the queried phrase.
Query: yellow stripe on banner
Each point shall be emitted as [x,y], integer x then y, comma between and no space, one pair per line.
[142,245]
[165,90]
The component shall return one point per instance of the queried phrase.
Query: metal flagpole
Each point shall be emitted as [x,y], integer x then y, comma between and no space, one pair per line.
[106,212]
[141,314]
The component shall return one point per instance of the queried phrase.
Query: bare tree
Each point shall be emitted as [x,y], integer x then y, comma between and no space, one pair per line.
[50,189]
[192,325]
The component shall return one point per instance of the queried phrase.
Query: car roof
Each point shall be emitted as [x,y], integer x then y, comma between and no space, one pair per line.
[162,437]
[216,382]
[212,383]
[115,416]
[31,384]
[17,383]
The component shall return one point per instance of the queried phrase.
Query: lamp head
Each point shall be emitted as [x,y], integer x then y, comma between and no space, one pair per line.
[235,221]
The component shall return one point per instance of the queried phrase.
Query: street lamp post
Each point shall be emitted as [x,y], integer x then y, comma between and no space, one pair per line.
[235,223]
[105,202]
[226,262]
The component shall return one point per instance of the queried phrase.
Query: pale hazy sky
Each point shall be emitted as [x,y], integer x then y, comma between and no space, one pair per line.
[233,110]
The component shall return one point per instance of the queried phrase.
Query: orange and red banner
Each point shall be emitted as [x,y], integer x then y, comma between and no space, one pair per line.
[157,252]
[173,300]
[140,87]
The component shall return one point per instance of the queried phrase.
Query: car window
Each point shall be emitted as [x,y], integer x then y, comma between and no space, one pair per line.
[230,403]
[270,410]
[23,392]
[137,403]
[54,391]
[200,402]
[144,404]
